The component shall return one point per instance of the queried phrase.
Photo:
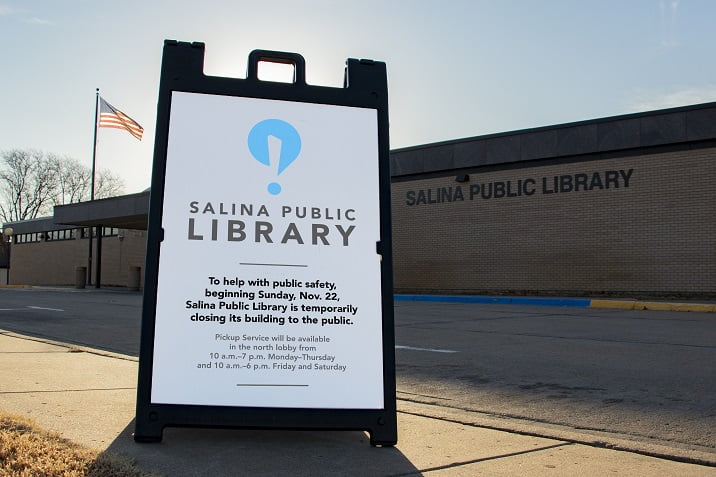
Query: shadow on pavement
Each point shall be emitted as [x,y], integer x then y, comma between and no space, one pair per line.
[226,452]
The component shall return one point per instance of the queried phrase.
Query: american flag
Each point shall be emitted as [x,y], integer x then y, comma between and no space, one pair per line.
[111,117]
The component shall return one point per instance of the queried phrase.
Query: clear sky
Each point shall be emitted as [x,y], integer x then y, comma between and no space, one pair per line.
[456,68]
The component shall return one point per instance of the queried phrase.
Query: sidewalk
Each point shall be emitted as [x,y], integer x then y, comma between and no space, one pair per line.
[88,396]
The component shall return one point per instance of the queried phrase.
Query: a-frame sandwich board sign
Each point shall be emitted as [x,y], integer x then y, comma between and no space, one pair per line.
[268,282]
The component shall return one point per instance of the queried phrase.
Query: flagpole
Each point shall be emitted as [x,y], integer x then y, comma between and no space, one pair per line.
[94,149]
[94,159]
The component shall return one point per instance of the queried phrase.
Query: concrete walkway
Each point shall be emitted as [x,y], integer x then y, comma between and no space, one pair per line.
[88,396]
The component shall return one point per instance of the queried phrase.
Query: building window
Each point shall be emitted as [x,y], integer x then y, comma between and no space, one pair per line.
[106,232]
[55,235]
[109,231]
[27,238]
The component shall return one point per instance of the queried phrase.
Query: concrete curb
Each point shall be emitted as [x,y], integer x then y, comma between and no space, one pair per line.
[522,300]
[72,348]
[498,300]
[654,305]
[569,302]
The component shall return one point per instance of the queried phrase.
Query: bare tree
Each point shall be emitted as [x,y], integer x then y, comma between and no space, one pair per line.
[32,182]
[28,182]
[74,181]
[107,184]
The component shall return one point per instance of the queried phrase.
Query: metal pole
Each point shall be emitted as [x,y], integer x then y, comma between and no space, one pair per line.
[94,159]
[98,266]
[7,236]
[94,149]
[9,261]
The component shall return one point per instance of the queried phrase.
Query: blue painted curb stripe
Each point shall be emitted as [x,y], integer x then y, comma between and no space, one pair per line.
[498,300]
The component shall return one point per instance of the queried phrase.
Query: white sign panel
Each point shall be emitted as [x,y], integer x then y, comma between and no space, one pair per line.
[269,281]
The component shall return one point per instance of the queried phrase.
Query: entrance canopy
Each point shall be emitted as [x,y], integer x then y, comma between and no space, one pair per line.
[124,212]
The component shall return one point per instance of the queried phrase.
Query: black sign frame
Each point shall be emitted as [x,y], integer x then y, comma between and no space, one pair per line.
[365,86]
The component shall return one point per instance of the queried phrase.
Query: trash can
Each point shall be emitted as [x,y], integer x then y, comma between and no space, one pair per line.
[80,277]
[134,278]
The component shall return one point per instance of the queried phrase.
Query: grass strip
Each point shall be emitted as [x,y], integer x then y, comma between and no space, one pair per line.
[26,450]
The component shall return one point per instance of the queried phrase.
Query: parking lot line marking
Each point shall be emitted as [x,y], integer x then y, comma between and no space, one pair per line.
[411,348]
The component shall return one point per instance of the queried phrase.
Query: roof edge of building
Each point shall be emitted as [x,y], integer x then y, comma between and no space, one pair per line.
[680,125]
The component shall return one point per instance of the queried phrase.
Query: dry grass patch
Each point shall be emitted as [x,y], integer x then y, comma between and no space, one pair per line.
[26,450]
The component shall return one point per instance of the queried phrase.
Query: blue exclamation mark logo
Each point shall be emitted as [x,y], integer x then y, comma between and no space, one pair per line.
[273,139]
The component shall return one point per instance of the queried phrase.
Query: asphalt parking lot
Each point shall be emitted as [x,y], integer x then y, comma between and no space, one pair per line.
[647,376]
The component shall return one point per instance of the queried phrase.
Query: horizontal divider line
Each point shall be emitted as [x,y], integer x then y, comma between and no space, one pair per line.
[274,264]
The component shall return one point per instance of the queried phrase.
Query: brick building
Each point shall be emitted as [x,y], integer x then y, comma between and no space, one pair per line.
[48,251]
[615,206]
[620,206]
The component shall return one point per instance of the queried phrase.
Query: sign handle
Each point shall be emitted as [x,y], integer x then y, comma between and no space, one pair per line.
[299,64]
